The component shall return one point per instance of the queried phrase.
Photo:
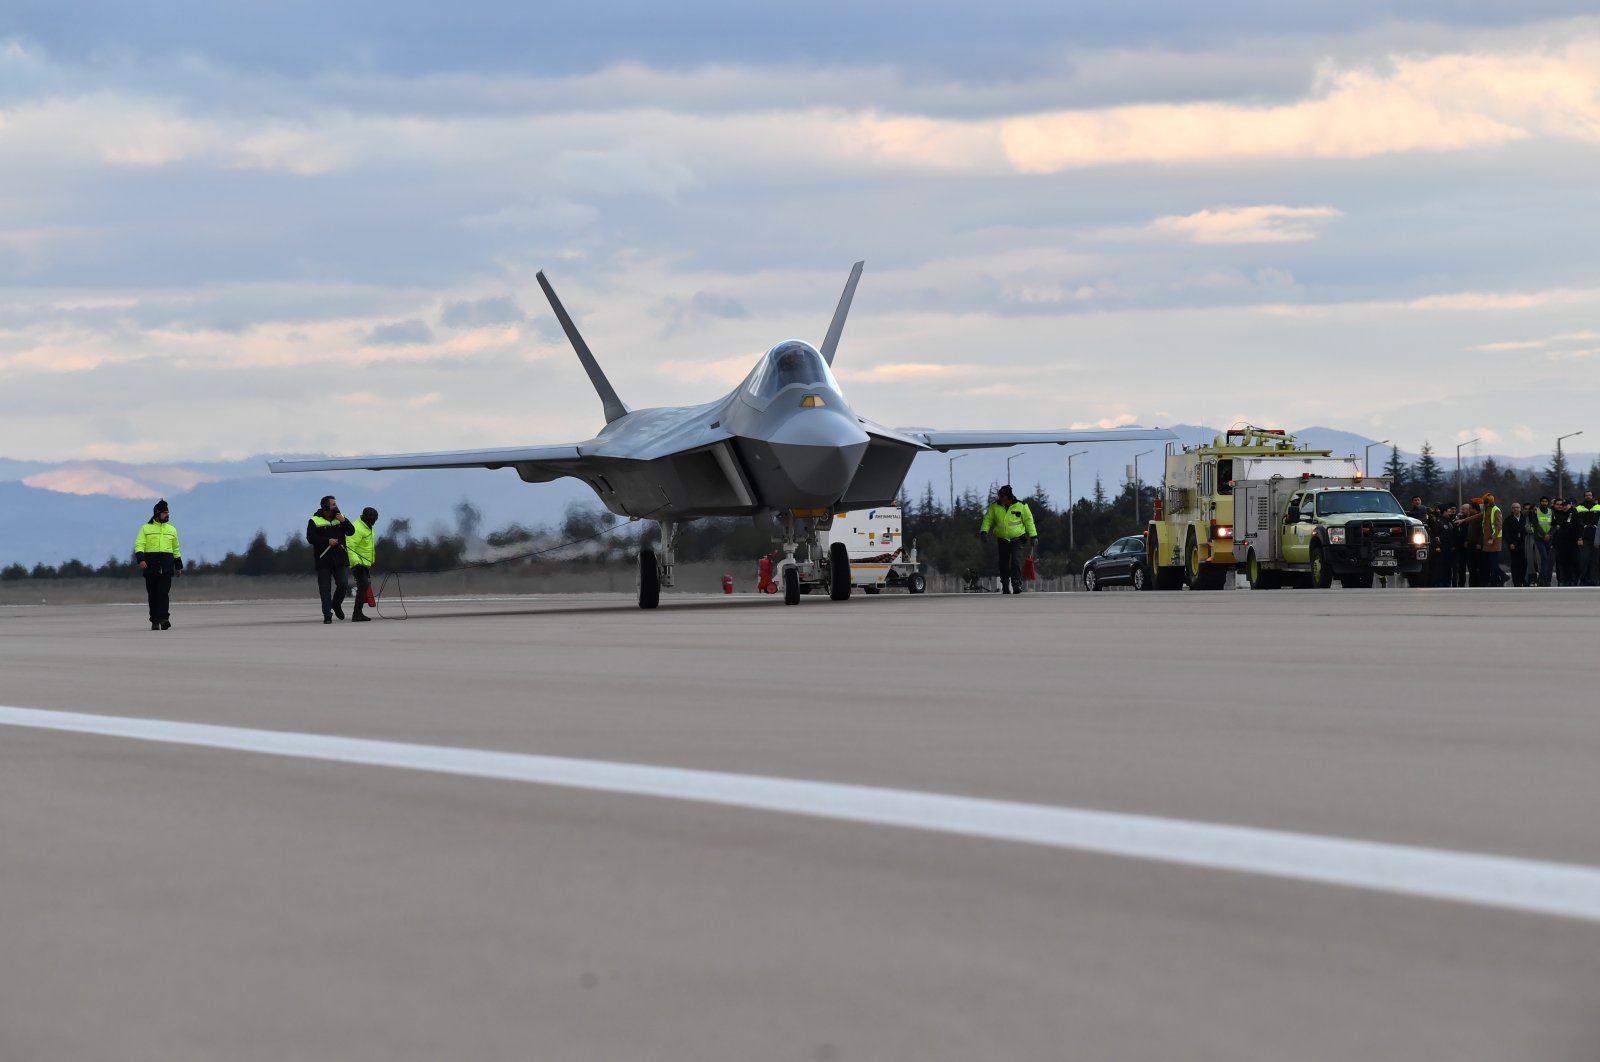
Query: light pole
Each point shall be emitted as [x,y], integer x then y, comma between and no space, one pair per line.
[1561,469]
[1136,487]
[1469,442]
[953,461]
[1072,542]
[1366,459]
[1010,459]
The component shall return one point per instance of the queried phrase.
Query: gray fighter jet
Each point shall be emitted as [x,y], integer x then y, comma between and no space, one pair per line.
[784,447]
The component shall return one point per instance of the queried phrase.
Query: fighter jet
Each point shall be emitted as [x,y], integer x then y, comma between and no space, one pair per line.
[784,447]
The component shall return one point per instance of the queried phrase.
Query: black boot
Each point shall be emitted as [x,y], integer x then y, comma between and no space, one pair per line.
[155,625]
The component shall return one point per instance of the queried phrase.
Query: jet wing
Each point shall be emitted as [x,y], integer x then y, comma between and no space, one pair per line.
[533,463]
[978,440]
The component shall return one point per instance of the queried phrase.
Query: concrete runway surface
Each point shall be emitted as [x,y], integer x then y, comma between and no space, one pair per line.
[166,901]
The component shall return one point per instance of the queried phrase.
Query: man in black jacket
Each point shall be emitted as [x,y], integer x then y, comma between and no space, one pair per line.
[1516,540]
[326,531]
[1564,532]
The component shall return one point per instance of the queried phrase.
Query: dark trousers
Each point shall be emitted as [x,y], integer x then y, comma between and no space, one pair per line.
[1567,563]
[1517,561]
[1543,549]
[158,588]
[1466,564]
[363,576]
[334,586]
[1489,571]
[1444,567]
[1012,550]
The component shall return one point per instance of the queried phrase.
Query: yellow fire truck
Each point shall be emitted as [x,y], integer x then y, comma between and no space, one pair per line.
[1190,538]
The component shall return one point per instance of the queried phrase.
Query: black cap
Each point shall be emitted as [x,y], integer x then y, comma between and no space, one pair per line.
[370,515]
[160,507]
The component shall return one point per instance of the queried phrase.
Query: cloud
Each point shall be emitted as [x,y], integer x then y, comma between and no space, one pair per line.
[1439,103]
[1258,224]
[399,334]
[1118,420]
[475,313]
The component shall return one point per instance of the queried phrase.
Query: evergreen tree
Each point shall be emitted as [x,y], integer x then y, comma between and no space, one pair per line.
[1555,475]
[1099,495]
[1427,477]
[1396,473]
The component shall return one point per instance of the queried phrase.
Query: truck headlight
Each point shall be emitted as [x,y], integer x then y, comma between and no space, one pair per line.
[1335,536]
[1419,536]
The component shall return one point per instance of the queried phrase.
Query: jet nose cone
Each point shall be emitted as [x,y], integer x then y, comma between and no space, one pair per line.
[820,452]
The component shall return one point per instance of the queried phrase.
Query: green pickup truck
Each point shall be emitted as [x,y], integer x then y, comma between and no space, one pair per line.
[1309,531]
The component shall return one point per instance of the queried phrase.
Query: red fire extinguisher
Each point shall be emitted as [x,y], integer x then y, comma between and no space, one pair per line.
[1029,572]
[765,583]
[727,584]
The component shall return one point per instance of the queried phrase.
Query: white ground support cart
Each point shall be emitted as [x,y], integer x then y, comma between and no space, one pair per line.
[880,556]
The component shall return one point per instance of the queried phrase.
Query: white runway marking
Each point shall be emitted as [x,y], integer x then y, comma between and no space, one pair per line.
[1559,889]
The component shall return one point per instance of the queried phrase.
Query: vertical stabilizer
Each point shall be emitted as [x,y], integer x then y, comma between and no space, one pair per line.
[837,327]
[614,406]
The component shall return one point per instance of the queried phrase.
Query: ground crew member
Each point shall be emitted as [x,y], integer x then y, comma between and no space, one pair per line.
[363,552]
[1565,531]
[1543,520]
[160,559]
[1491,528]
[326,531]
[1588,512]
[1011,523]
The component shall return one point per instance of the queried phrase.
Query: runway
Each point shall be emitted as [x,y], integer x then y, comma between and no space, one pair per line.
[181,900]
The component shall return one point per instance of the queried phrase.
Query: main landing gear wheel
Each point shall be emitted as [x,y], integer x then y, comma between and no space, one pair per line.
[917,583]
[839,572]
[791,586]
[649,579]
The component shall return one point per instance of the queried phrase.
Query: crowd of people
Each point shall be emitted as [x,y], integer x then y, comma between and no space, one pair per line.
[1548,543]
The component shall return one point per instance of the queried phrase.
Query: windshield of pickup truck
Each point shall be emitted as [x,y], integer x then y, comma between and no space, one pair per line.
[1339,502]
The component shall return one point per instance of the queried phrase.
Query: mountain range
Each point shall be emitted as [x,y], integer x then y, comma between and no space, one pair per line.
[91,510]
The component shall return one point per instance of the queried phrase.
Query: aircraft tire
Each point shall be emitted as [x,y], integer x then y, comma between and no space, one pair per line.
[839,572]
[649,579]
[791,587]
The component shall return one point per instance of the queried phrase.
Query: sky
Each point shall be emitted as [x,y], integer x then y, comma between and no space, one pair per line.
[229,229]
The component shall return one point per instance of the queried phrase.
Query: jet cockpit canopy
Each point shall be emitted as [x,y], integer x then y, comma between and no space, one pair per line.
[790,362]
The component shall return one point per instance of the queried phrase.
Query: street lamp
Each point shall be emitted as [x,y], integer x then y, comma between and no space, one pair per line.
[1561,469]
[1136,486]
[1072,542]
[1366,459]
[953,461]
[1010,459]
[1469,442]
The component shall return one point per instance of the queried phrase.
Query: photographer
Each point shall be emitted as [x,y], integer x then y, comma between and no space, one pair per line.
[326,531]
